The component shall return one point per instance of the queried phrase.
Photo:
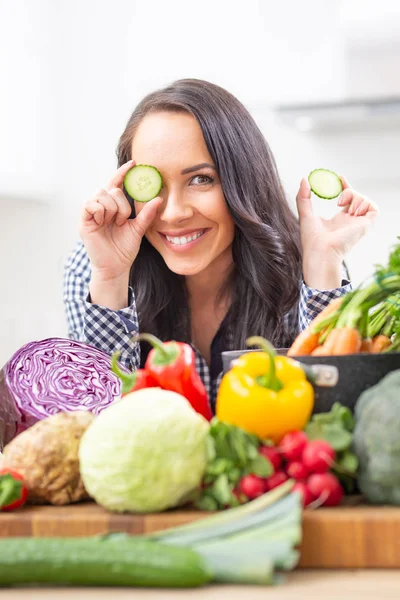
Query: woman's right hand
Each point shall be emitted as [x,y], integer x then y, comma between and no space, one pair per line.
[111,239]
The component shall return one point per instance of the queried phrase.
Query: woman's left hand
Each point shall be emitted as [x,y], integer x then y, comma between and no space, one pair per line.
[325,242]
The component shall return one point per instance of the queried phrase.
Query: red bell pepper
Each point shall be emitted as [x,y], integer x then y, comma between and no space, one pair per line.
[137,380]
[13,491]
[173,366]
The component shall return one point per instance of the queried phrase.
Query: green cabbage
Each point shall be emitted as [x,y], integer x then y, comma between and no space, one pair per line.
[145,453]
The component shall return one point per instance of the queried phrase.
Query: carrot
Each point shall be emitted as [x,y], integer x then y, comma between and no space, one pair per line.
[366,345]
[307,341]
[304,344]
[347,342]
[319,351]
[330,342]
[379,343]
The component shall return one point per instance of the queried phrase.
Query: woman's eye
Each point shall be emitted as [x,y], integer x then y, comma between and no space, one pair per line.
[201,180]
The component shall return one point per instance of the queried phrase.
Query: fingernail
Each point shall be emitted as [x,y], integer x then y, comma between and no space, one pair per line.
[340,201]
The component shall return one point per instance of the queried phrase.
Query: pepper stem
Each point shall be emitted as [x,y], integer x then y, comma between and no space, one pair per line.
[10,490]
[270,380]
[128,379]
[166,353]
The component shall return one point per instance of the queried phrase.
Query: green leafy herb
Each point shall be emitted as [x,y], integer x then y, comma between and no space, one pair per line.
[333,433]
[231,454]
[336,427]
[206,502]
[261,466]
[221,490]
[348,462]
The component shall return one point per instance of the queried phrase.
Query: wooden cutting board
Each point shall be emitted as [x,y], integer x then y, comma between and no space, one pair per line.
[352,536]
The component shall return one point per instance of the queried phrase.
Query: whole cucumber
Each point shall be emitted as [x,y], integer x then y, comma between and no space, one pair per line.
[119,560]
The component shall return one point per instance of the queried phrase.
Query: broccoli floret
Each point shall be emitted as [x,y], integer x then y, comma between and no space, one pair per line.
[377,441]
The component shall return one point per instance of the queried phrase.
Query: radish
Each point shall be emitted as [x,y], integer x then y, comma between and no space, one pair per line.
[272,455]
[252,486]
[305,492]
[274,480]
[326,488]
[297,470]
[293,444]
[318,456]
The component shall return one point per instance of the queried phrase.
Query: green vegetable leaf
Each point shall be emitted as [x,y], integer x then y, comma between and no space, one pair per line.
[344,415]
[207,479]
[254,439]
[322,418]
[252,452]
[234,475]
[206,502]
[221,489]
[261,466]
[314,429]
[333,433]
[233,502]
[337,437]
[348,461]
[218,466]
[210,448]
[238,445]
[222,445]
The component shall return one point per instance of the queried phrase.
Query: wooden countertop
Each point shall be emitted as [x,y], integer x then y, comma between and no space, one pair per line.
[352,536]
[301,585]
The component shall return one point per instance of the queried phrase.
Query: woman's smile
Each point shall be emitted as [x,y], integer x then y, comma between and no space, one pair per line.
[185,240]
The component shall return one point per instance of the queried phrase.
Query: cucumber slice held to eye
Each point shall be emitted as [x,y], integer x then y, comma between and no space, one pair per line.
[325,184]
[143,183]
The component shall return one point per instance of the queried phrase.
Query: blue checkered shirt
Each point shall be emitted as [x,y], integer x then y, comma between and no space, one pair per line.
[110,330]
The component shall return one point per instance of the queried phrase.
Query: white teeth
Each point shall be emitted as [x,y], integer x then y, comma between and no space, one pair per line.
[185,239]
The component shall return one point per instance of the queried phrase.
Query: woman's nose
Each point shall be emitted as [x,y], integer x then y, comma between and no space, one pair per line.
[175,209]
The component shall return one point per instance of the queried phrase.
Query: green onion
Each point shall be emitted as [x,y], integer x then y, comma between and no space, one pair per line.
[247,543]
[234,567]
[278,553]
[232,514]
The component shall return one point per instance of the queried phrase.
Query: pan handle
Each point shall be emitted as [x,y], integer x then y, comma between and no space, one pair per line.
[321,375]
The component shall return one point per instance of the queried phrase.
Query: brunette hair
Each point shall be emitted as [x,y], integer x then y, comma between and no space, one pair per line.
[264,285]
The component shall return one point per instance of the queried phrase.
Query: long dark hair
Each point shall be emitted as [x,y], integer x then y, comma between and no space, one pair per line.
[264,285]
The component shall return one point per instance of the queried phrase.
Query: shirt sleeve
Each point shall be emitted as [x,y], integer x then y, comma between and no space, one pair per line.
[313,301]
[97,325]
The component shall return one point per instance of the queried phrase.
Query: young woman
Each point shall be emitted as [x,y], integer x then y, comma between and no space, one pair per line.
[219,255]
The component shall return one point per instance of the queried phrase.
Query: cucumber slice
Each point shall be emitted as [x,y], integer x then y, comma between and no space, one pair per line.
[143,183]
[325,184]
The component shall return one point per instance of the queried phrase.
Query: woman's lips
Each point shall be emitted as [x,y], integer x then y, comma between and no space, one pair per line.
[185,241]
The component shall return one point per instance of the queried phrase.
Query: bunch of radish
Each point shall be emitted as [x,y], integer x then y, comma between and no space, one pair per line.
[307,461]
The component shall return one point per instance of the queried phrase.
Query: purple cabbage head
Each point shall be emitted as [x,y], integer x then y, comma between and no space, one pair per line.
[50,376]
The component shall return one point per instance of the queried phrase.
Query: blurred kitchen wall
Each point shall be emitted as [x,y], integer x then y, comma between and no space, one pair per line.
[72,72]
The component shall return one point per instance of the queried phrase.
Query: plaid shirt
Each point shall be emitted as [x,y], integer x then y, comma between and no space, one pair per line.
[109,330]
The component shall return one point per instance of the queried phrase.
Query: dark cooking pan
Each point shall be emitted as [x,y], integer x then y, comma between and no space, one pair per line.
[356,373]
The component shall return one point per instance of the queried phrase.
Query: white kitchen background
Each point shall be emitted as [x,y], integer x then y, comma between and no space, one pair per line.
[72,71]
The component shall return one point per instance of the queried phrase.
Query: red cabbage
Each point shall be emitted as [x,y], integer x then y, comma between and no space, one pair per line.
[53,375]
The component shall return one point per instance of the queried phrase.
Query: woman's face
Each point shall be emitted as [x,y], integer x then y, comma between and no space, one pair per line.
[193,228]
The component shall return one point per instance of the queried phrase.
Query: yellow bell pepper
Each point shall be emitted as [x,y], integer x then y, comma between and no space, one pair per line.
[265,394]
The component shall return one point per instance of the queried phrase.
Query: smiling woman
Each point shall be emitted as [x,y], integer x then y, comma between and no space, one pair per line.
[219,255]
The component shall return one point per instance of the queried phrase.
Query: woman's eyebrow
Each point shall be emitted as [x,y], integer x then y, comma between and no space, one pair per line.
[196,168]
